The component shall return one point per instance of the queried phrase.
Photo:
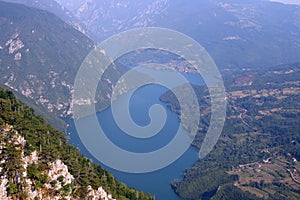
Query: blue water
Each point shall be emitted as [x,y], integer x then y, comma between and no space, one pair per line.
[158,182]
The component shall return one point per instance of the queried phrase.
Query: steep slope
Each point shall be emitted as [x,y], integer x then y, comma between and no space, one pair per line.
[38,163]
[237,33]
[106,17]
[55,8]
[39,59]
[40,55]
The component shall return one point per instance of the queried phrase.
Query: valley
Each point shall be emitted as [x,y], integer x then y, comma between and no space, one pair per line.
[255,45]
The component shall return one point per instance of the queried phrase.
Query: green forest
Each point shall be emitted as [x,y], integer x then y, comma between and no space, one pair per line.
[262,123]
[51,145]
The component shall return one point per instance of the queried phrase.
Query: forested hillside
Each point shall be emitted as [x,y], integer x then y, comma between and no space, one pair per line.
[37,162]
[257,154]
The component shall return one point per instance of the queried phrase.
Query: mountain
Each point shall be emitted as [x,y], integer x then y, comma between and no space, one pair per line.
[55,8]
[39,59]
[40,55]
[38,163]
[236,33]
[106,17]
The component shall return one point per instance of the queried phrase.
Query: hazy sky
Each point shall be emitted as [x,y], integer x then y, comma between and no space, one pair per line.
[289,1]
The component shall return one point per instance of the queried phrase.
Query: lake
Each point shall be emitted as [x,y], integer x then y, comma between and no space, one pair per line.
[158,182]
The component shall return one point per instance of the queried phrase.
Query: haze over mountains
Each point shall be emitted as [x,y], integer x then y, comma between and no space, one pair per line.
[256,32]
[55,8]
[41,48]
[43,43]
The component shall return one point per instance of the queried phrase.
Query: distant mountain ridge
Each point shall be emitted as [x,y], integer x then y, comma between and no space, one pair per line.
[55,8]
[40,54]
[237,33]
[255,32]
